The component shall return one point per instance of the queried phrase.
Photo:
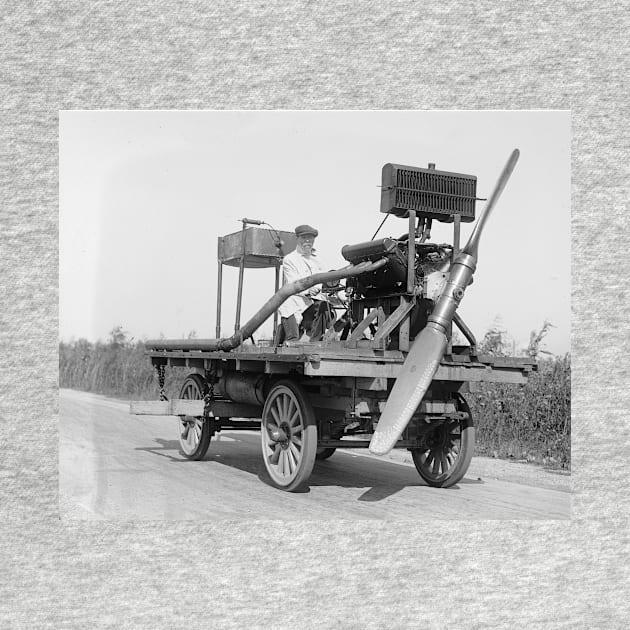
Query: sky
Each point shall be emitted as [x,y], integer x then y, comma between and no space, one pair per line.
[144,195]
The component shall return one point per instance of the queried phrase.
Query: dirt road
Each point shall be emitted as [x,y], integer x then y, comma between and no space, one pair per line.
[116,466]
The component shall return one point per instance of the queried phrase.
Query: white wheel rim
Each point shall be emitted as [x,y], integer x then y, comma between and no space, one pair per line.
[189,434]
[190,427]
[283,457]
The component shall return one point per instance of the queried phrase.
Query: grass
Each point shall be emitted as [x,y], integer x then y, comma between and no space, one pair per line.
[120,370]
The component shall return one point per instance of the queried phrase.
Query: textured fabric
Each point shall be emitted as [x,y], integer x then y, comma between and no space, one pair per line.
[290,328]
[420,573]
[294,267]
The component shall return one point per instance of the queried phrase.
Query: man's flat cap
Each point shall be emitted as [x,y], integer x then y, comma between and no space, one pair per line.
[300,230]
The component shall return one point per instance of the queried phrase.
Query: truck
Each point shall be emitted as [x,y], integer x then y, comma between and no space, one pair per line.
[383,373]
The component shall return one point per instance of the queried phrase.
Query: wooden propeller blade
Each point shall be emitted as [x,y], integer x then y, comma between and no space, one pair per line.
[418,371]
[472,245]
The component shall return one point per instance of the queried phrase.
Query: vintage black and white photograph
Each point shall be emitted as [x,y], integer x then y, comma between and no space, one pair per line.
[314,315]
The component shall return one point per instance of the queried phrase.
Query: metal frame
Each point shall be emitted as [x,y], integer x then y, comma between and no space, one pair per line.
[265,261]
[400,317]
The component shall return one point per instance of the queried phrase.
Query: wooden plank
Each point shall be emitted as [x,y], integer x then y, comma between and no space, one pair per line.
[313,352]
[517,362]
[362,326]
[295,358]
[352,368]
[479,374]
[230,356]
[391,370]
[403,335]
[394,319]
[166,407]
[383,356]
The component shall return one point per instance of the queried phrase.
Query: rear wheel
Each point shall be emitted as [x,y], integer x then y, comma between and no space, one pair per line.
[448,449]
[289,436]
[194,432]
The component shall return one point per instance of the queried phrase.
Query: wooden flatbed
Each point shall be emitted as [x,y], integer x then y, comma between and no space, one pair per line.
[334,360]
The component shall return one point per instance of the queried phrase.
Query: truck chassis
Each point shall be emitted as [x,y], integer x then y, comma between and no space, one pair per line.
[308,400]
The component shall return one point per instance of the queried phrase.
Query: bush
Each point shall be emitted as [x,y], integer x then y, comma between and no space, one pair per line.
[531,421]
[117,368]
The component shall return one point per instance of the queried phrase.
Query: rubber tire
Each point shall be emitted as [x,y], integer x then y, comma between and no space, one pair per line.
[324,452]
[199,386]
[296,480]
[456,472]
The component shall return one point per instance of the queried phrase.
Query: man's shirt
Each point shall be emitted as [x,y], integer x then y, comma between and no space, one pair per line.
[294,267]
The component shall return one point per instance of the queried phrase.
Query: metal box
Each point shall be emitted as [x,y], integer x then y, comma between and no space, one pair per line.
[262,247]
[433,194]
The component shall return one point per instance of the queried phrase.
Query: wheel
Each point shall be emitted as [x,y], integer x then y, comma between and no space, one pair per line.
[449,450]
[194,433]
[289,436]
[324,453]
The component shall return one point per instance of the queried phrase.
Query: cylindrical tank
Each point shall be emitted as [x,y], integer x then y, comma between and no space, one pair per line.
[242,387]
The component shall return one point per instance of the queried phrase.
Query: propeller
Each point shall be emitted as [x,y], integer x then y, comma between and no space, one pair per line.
[428,349]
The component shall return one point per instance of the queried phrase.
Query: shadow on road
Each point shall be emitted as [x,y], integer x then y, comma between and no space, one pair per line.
[242,452]
[164,449]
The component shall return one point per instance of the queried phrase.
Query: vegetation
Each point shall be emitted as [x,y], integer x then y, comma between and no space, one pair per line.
[118,368]
[531,422]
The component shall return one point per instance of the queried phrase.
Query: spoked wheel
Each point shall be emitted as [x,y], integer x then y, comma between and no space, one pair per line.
[325,452]
[289,436]
[449,449]
[194,432]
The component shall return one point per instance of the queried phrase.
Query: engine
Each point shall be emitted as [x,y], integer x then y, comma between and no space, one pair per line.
[430,268]
[384,288]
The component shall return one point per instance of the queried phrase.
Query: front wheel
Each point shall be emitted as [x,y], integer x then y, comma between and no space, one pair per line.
[448,449]
[194,432]
[325,452]
[289,436]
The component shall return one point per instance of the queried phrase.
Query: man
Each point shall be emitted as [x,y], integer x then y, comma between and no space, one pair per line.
[303,307]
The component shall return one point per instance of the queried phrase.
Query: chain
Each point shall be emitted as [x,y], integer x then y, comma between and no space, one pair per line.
[207,400]
[161,377]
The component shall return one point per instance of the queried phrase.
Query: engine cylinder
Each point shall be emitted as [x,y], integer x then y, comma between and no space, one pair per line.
[389,276]
[369,250]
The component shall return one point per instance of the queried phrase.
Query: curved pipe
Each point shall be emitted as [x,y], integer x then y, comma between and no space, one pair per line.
[246,331]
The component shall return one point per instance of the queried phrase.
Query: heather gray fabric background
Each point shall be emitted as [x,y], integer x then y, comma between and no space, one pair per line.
[569,55]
